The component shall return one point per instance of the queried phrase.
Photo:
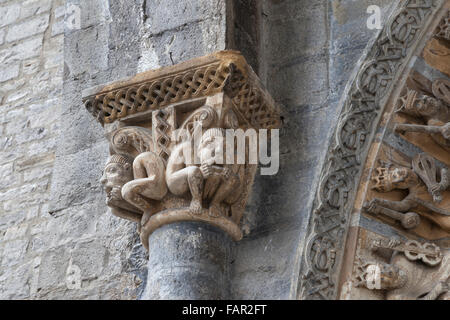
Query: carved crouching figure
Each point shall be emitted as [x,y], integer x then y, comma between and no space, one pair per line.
[132,199]
[210,181]
[425,193]
[434,112]
[148,185]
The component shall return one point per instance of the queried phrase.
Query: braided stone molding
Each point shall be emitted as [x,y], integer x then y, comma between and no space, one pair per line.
[325,242]
[225,71]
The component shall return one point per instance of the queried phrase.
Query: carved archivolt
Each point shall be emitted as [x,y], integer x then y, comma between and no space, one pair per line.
[167,131]
[366,97]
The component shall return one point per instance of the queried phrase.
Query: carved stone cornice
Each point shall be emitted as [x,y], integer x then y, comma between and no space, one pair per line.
[366,96]
[224,71]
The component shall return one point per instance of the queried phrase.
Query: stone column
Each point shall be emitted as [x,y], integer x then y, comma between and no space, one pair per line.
[162,126]
[188,260]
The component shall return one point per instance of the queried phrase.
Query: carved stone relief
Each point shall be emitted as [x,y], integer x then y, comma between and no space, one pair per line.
[167,135]
[405,270]
[324,253]
[398,247]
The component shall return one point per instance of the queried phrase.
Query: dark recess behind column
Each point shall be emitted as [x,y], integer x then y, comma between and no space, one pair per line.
[243,28]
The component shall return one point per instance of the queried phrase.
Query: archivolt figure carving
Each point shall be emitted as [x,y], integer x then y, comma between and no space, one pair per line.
[434,112]
[414,271]
[424,193]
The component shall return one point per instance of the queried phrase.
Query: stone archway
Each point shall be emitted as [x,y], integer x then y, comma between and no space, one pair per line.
[365,120]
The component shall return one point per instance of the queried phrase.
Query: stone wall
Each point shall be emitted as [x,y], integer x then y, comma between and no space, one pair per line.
[31,59]
[54,223]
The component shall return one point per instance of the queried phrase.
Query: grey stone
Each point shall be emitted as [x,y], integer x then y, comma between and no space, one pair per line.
[23,50]
[9,14]
[171,14]
[34,7]
[188,260]
[27,28]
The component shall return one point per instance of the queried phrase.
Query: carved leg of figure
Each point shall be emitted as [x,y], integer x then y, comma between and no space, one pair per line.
[195,180]
[227,186]
[132,192]
[188,179]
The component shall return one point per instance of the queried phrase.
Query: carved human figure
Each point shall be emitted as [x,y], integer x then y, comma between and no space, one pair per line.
[434,112]
[118,172]
[393,177]
[408,278]
[148,185]
[209,180]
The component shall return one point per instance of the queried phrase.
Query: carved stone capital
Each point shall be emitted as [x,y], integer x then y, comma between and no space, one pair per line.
[170,159]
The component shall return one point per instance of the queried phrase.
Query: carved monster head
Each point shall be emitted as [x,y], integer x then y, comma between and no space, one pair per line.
[381,276]
[118,171]
[211,147]
[387,179]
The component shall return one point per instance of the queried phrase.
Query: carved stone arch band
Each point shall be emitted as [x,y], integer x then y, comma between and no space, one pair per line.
[360,125]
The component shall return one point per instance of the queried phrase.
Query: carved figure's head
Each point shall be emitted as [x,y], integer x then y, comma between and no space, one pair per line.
[381,276]
[419,104]
[118,171]
[212,146]
[387,179]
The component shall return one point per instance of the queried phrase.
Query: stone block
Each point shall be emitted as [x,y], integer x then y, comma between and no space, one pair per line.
[174,13]
[34,7]
[22,50]
[27,28]
[9,72]
[9,14]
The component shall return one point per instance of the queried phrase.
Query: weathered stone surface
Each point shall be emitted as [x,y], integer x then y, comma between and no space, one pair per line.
[23,50]
[9,14]
[307,53]
[28,28]
[9,72]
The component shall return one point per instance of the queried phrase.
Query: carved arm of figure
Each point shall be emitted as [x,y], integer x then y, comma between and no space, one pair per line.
[121,208]
[444,130]
[395,210]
